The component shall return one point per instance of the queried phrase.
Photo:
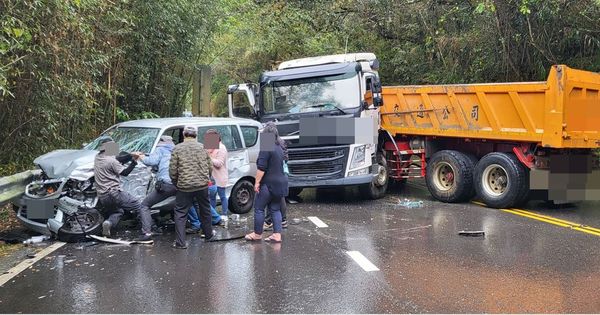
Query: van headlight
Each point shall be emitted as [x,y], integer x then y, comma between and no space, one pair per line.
[358,156]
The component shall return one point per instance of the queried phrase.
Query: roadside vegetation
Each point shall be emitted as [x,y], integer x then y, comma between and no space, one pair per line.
[71,68]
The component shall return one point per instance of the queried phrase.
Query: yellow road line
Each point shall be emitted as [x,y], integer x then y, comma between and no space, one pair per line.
[549,219]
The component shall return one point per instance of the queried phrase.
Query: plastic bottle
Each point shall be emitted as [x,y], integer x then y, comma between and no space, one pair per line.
[36,239]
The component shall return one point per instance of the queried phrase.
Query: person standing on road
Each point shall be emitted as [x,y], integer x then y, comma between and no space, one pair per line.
[218,154]
[160,158]
[108,170]
[190,169]
[268,219]
[271,184]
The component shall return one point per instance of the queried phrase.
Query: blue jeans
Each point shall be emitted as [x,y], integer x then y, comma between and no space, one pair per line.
[265,199]
[193,215]
[222,195]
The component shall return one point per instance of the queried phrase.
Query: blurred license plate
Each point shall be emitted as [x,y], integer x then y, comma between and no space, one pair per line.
[40,208]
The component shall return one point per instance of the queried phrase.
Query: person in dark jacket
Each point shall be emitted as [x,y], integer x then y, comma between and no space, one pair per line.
[268,219]
[190,169]
[271,184]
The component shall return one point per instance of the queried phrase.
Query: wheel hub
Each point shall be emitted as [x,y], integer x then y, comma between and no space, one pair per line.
[444,176]
[243,196]
[495,180]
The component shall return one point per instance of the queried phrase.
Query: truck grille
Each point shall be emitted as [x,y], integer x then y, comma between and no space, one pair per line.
[317,163]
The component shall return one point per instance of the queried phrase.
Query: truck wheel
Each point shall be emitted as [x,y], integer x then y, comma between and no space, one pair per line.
[378,187]
[242,197]
[501,181]
[84,222]
[294,191]
[449,176]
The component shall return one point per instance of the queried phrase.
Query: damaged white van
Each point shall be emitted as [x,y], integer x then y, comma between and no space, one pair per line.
[63,201]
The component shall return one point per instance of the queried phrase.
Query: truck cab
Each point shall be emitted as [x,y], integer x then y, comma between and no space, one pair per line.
[327,109]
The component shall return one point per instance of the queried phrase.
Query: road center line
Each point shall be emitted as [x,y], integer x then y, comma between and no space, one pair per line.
[362,261]
[549,220]
[318,222]
[12,272]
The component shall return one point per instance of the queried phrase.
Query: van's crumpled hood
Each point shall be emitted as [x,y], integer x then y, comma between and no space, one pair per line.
[77,164]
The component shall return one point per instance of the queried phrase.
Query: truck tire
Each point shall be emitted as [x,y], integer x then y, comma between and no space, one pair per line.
[449,176]
[84,222]
[501,180]
[378,187]
[241,199]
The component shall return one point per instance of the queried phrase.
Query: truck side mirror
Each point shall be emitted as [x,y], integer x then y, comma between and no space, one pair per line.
[376,86]
[241,101]
[377,101]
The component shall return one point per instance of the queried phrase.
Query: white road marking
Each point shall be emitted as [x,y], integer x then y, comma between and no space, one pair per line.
[362,261]
[318,222]
[12,272]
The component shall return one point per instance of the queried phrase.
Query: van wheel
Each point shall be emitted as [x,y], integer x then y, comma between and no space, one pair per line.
[449,176]
[84,222]
[242,197]
[378,187]
[501,181]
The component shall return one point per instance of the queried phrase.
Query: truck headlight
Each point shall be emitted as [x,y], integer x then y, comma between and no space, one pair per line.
[358,156]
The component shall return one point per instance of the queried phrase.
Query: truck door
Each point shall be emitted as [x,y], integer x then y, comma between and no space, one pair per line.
[241,101]
[372,97]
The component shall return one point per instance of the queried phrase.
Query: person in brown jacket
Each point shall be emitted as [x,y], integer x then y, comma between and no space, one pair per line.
[190,170]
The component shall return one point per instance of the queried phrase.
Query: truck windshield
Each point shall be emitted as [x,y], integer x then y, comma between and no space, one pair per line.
[337,93]
[130,139]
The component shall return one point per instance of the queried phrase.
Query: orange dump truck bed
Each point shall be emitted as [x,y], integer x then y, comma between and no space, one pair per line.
[562,112]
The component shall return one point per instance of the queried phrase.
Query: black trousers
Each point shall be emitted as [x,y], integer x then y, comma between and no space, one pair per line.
[183,201]
[115,203]
[160,193]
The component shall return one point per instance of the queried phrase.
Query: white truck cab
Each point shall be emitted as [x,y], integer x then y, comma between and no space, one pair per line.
[327,109]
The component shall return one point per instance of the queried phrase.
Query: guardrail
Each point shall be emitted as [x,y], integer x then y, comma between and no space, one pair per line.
[13,186]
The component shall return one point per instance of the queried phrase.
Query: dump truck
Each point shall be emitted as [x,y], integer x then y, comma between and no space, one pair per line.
[504,143]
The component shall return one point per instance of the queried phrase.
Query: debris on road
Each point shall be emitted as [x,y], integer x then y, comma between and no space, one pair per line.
[407,203]
[471,233]
[120,241]
[36,239]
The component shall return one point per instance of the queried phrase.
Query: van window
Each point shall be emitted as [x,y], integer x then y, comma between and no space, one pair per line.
[175,133]
[230,136]
[250,134]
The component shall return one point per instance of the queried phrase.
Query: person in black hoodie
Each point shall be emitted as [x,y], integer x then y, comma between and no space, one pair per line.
[271,184]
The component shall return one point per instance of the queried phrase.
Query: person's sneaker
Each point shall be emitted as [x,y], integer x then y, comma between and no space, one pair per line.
[224,218]
[106,225]
[221,222]
[191,231]
[284,224]
[144,238]
[177,246]
[267,226]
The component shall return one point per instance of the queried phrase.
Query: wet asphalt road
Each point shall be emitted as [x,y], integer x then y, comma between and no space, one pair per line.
[521,265]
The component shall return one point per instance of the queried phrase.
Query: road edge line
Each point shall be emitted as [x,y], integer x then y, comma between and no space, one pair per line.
[20,267]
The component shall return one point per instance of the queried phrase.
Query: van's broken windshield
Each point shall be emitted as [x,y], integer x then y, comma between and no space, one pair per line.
[130,139]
